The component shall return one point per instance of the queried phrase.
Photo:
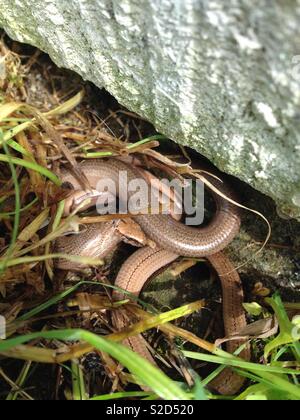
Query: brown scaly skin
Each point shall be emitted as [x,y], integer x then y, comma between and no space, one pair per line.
[145,262]
[170,234]
[175,239]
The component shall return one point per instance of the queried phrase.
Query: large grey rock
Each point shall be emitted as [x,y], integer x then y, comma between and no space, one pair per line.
[221,76]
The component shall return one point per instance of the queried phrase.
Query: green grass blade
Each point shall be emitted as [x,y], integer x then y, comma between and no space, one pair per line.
[13,395]
[22,210]
[131,147]
[17,147]
[40,258]
[78,385]
[119,395]
[266,372]
[239,363]
[145,372]
[30,165]
[17,205]
[53,301]
[286,328]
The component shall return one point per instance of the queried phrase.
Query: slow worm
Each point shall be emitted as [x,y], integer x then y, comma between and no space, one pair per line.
[170,234]
[174,239]
[139,268]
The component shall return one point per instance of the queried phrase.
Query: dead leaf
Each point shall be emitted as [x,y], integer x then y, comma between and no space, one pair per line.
[262,328]
[182,266]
